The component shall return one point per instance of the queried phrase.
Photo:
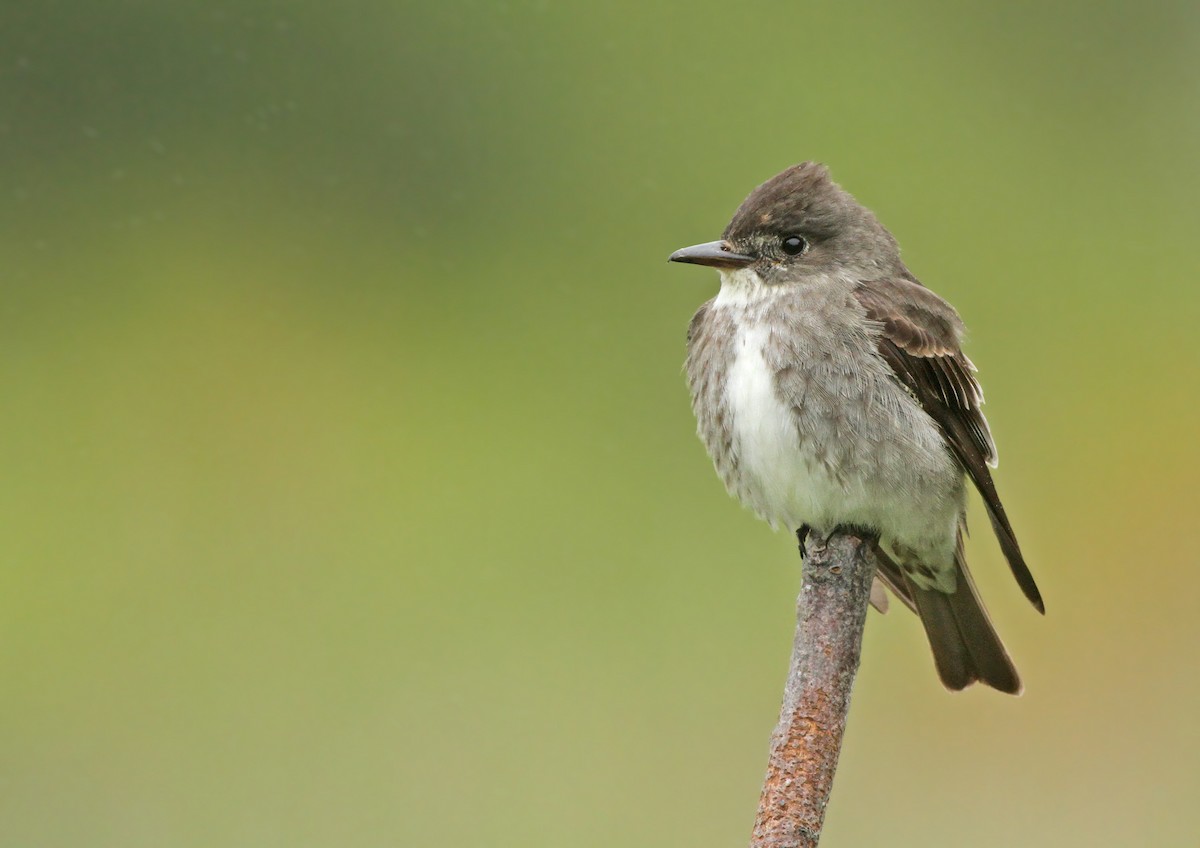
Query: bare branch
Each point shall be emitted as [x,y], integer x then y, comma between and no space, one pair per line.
[831,610]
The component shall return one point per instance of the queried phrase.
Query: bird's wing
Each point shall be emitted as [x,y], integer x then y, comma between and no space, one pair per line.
[920,339]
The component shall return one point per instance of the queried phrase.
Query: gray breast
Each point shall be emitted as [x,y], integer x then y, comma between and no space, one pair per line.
[710,354]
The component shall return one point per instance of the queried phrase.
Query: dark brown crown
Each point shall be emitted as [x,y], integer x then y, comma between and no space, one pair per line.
[802,199]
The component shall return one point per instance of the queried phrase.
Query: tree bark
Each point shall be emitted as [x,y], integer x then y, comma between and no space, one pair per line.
[835,587]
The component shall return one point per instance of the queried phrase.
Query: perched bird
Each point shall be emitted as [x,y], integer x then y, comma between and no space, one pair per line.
[831,390]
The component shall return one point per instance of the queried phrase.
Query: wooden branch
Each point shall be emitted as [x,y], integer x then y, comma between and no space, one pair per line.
[831,610]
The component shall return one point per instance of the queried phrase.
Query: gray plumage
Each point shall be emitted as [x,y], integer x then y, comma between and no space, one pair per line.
[830,389]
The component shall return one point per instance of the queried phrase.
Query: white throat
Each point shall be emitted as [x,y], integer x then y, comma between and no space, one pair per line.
[742,287]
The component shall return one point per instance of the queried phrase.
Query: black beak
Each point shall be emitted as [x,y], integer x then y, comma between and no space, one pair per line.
[718,254]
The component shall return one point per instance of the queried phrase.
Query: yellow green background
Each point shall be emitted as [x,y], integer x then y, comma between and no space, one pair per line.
[350,491]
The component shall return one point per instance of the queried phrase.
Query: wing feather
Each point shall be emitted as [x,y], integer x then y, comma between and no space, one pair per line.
[921,338]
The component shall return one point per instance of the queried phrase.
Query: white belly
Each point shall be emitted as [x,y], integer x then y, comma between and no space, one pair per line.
[778,478]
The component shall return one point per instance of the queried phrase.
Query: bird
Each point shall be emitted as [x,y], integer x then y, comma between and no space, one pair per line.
[831,391]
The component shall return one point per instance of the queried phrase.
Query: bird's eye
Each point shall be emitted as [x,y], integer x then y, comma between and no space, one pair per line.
[793,245]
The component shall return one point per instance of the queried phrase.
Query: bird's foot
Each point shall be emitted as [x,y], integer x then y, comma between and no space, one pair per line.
[869,534]
[802,538]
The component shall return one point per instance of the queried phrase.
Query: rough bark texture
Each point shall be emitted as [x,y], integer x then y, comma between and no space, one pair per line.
[831,610]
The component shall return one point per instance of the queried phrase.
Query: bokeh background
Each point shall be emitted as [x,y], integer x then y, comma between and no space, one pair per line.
[350,492]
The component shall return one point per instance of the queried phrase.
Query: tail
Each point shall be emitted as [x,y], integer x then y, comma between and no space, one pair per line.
[965,646]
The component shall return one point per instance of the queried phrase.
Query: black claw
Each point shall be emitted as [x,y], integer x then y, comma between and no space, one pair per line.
[802,538]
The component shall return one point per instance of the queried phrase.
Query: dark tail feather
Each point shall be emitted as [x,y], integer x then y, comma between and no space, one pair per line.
[965,645]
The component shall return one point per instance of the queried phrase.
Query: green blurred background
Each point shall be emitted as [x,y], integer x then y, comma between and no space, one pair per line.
[351,495]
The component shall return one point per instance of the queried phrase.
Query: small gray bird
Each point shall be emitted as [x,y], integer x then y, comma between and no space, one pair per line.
[831,390]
